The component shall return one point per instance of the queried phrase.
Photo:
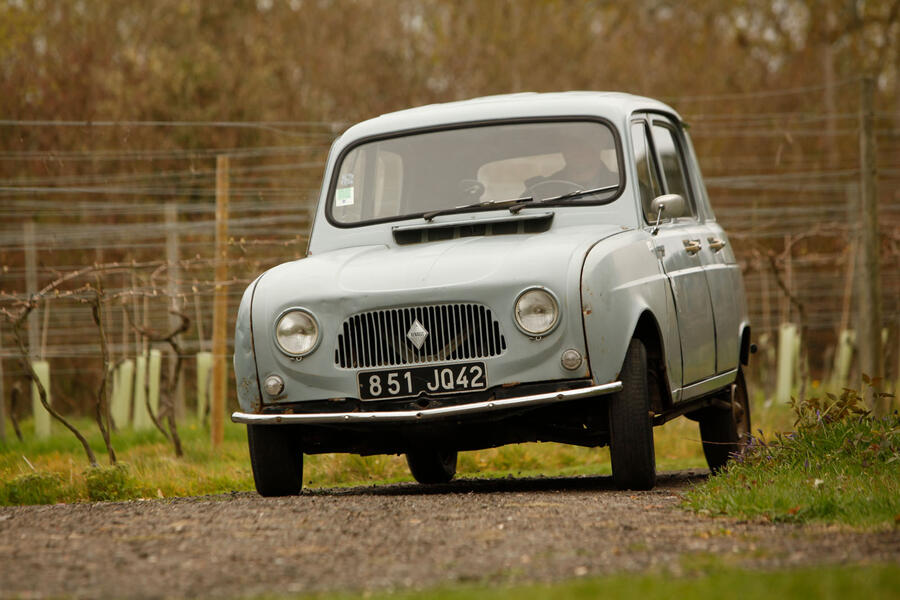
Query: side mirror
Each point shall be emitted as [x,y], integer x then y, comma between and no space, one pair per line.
[670,205]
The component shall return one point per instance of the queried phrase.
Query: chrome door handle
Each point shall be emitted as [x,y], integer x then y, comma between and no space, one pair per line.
[692,246]
[715,243]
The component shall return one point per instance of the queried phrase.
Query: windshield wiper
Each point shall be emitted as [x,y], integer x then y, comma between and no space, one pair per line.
[477,206]
[576,194]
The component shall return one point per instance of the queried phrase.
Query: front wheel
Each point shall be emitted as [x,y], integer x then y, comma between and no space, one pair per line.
[726,430]
[276,459]
[631,424]
[432,466]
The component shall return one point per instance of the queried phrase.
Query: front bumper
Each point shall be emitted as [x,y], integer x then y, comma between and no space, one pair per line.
[428,414]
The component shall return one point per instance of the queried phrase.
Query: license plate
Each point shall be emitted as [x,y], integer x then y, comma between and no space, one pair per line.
[441,379]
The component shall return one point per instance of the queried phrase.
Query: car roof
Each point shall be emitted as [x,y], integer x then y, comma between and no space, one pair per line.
[615,106]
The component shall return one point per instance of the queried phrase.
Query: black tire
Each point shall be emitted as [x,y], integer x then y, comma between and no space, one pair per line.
[276,459]
[432,466]
[631,425]
[725,431]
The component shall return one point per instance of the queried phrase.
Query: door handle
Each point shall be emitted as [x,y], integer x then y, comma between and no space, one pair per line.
[692,246]
[715,243]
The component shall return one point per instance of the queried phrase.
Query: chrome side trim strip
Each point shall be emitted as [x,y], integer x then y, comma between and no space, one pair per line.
[428,414]
[708,385]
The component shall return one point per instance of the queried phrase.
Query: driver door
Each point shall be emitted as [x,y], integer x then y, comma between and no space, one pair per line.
[679,242]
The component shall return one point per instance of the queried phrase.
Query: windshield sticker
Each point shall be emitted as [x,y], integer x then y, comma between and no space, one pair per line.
[346,180]
[344,197]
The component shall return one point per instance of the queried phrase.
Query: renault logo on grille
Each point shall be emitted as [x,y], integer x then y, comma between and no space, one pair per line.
[417,334]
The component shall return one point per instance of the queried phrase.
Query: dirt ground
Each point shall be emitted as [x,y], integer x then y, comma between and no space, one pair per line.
[395,536]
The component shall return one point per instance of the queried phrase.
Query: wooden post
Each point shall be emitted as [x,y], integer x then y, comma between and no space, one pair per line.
[869,310]
[2,395]
[220,306]
[41,416]
[31,287]
[172,288]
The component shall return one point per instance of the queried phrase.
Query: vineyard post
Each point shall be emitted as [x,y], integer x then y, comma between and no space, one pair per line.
[869,329]
[2,395]
[220,306]
[172,288]
[31,287]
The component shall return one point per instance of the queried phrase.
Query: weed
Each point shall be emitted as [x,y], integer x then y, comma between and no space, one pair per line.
[110,483]
[33,488]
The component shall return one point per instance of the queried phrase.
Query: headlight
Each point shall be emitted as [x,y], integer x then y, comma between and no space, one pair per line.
[537,312]
[297,332]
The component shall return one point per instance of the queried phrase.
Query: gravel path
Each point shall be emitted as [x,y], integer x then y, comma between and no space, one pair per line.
[392,537]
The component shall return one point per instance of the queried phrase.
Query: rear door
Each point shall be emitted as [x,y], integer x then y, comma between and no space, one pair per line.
[723,274]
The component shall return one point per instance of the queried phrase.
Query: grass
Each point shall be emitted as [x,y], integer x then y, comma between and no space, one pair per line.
[55,469]
[839,466]
[870,581]
[149,469]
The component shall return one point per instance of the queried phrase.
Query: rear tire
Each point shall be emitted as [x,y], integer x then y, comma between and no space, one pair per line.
[276,459]
[726,431]
[432,466]
[631,424]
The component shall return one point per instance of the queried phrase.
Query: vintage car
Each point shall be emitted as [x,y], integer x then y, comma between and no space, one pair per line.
[517,268]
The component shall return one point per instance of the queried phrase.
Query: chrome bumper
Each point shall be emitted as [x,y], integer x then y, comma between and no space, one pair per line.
[428,414]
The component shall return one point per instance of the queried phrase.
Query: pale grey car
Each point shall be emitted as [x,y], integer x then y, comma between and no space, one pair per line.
[519,268]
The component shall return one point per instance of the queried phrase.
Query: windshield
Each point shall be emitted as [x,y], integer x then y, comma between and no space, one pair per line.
[419,173]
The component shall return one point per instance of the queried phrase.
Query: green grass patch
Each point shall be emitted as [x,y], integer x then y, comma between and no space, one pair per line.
[840,465]
[109,483]
[33,488]
[873,582]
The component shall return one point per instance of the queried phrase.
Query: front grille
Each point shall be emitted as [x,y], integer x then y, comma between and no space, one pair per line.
[455,332]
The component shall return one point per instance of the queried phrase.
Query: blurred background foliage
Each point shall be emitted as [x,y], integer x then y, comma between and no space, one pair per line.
[330,60]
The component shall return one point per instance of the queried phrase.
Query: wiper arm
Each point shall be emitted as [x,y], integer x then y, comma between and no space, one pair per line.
[576,194]
[477,206]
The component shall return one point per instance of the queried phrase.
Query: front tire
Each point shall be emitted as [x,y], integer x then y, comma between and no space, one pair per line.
[432,466]
[631,424]
[726,431]
[276,460]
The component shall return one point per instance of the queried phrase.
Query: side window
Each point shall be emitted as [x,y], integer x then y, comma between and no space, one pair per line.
[647,178]
[671,158]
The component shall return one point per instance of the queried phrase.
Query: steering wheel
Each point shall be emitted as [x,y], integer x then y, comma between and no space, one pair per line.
[471,189]
[556,186]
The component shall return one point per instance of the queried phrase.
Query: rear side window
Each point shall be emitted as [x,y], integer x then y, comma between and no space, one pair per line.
[671,159]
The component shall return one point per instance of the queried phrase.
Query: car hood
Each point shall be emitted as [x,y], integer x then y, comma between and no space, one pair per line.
[460,263]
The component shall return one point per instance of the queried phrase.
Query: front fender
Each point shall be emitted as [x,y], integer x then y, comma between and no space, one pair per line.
[246,377]
[622,279]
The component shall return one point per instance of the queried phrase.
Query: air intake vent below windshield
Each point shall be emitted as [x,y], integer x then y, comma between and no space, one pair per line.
[506,225]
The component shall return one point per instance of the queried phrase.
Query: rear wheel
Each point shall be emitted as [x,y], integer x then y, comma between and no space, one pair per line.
[276,459]
[631,424]
[432,466]
[726,430]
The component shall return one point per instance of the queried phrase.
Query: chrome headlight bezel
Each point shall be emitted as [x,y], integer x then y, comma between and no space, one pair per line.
[304,351]
[554,303]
